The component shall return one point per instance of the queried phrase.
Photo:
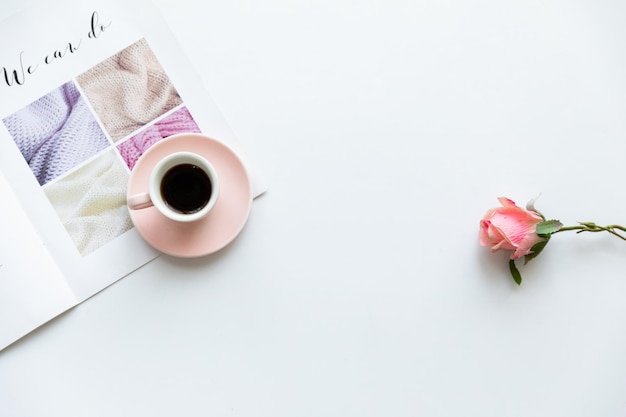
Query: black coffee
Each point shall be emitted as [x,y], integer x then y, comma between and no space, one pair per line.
[186,188]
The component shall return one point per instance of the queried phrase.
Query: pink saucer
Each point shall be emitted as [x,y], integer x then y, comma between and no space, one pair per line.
[220,226]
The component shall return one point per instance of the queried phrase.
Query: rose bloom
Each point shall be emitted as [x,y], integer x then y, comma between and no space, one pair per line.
[510,228]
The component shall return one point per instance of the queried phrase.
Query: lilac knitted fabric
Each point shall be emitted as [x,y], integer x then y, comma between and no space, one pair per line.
[178,122]
[56,133]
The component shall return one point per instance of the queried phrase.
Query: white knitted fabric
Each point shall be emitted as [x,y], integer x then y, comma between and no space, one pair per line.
[91,202]
[129,90]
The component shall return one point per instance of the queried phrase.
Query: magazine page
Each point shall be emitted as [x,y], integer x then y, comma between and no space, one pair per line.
[86,87]
[32,289]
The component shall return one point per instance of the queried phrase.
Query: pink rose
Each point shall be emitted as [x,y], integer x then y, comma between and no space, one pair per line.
[510,228]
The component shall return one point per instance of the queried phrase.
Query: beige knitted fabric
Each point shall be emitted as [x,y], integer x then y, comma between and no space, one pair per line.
[91,202]
[129,90]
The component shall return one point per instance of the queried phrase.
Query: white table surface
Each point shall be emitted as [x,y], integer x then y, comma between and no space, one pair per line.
[385,128]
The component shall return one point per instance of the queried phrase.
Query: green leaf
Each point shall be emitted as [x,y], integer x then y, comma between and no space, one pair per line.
[517,277]
[546,228]
[535,250]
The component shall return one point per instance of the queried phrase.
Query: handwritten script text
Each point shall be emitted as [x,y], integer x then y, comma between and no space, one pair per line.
[22,72]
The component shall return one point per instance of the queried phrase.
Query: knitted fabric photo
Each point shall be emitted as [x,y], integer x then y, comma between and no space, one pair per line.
[129,90]
[56,133]
[91,202]
[180,121]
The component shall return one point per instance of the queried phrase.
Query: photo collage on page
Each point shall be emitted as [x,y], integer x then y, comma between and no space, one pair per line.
[82,139]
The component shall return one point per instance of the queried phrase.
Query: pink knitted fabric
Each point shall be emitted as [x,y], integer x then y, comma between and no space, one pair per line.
[56,132]
[129,90]
[178,122]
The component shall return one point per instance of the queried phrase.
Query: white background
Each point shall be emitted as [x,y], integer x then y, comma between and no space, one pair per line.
[385,129]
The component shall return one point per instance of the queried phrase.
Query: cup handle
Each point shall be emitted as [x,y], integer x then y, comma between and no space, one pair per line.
[139,201]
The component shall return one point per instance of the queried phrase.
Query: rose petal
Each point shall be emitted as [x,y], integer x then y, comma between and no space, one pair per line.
[525,245]
[506,202]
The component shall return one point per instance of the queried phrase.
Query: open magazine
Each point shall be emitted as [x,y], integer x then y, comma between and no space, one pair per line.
[86,87]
